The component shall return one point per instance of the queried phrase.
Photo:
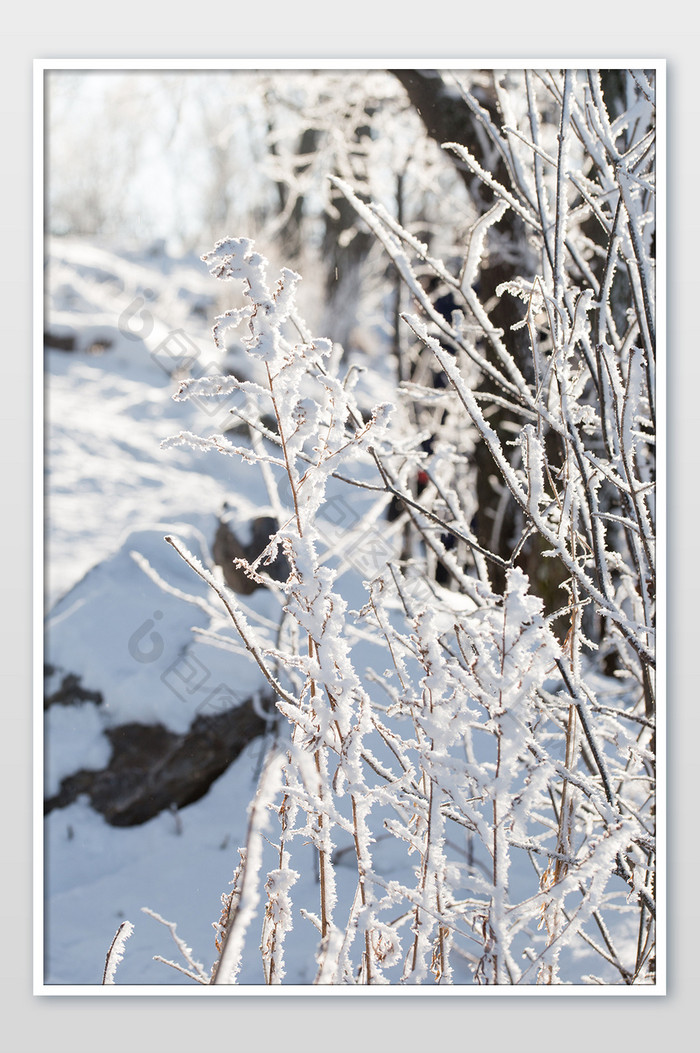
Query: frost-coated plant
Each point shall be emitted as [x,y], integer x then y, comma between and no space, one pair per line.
[491,775]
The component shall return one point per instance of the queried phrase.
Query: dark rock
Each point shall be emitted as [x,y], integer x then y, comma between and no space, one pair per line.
[60,341]
[227,548]
[66,340]
[71,692]
[98,347]
[153,769]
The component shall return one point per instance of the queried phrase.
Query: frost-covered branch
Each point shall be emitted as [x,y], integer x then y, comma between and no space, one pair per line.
[476,742]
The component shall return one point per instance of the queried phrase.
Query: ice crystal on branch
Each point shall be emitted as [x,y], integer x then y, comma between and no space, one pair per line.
[470,756]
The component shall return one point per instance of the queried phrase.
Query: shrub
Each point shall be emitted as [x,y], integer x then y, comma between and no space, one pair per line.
[478,738]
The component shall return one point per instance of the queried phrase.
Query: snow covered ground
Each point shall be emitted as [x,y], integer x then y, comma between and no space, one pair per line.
[112,494]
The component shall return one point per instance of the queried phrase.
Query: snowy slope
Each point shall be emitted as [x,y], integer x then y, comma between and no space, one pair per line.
[112,494]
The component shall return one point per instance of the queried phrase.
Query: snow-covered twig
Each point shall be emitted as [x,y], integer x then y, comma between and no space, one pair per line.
[116,951]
